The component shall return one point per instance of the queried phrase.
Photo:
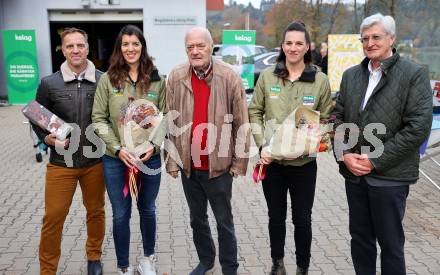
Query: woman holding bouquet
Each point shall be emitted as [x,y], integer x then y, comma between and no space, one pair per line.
[280,89]
[131,77]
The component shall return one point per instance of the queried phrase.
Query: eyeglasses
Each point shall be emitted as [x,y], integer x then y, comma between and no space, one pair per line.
[375,38]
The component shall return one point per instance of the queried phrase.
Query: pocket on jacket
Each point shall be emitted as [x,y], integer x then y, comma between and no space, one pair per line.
[63,96]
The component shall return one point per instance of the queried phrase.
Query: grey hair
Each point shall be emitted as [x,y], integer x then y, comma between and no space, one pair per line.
[200,29]
[387,21]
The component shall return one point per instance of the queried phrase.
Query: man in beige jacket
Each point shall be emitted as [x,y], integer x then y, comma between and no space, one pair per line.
[208,143]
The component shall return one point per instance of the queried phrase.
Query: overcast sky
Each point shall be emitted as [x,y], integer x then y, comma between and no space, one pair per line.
[255,3]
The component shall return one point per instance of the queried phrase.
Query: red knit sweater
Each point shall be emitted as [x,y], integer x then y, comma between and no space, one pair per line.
[201,92]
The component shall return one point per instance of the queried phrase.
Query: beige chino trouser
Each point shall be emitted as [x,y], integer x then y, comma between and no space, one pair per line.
[60,188]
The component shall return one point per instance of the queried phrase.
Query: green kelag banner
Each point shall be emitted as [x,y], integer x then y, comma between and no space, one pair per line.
[21,65]
[238,50]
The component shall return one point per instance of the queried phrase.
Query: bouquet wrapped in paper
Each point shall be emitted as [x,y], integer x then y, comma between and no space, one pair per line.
[138,125]
[45,119]
[300,134]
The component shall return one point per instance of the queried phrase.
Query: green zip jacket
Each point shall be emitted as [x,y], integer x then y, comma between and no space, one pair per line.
[110,101]
[401,102]
[275,98]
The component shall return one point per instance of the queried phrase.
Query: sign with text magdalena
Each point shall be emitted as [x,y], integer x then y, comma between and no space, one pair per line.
[21,65]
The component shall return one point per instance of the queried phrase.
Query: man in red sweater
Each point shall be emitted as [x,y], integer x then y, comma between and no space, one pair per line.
[209,96]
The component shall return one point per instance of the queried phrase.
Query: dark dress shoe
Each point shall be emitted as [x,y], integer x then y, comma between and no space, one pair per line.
[94,268]
[302,271]
[201,269]
[278,267]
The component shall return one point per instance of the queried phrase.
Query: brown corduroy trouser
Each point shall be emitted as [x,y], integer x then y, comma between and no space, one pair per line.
[61,184]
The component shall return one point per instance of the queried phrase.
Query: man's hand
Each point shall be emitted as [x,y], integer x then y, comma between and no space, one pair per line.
[127,158]
[51,139]
[366,162]
[174,174]
[359,165]
[233,174]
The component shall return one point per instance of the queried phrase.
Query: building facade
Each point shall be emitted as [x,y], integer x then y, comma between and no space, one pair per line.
[164,24]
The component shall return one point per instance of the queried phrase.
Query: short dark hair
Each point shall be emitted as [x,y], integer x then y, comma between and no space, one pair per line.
[301,27]
[67,31]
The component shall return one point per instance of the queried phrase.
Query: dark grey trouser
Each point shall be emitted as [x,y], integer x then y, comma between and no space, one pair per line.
[218,191]
[376,214]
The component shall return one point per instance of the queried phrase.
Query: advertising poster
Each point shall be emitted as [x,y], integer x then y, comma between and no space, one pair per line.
[21,65]
[344,51]
[239,50]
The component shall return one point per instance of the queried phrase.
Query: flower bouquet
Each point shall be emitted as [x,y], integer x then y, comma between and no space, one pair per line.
[300,134]
[45,119]
[138,126]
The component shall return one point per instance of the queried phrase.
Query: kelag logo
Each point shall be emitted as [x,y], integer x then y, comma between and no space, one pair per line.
[23,37]
[243,38]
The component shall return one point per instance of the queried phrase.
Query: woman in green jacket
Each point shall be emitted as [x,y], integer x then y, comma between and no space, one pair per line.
[280,89]
[130,77]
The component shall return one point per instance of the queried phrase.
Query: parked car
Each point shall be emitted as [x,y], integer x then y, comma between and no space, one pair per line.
[217,52]
[263,61]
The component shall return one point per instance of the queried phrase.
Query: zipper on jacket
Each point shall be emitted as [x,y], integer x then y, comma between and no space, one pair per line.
[79,98]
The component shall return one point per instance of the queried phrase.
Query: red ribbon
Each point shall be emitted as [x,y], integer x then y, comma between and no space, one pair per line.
[259,173]
[133,183]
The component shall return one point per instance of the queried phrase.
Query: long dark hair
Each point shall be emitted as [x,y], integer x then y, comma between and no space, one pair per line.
[118,69]
[294,26]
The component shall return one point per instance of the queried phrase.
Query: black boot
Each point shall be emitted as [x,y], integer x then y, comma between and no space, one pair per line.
[278,267]
[302,271]
[94,268]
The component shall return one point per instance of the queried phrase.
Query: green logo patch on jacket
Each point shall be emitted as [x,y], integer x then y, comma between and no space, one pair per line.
[275,91]
[152,95]
[308,100]
[117,91]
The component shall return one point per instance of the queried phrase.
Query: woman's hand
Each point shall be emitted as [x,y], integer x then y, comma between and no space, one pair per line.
[127,158]
[174,174]
[147,155]
[265,156]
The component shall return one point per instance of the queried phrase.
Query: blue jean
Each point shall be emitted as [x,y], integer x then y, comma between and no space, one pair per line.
[115,175]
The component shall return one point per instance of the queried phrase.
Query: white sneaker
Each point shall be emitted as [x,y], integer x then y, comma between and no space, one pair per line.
[128,271]
[147,265]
